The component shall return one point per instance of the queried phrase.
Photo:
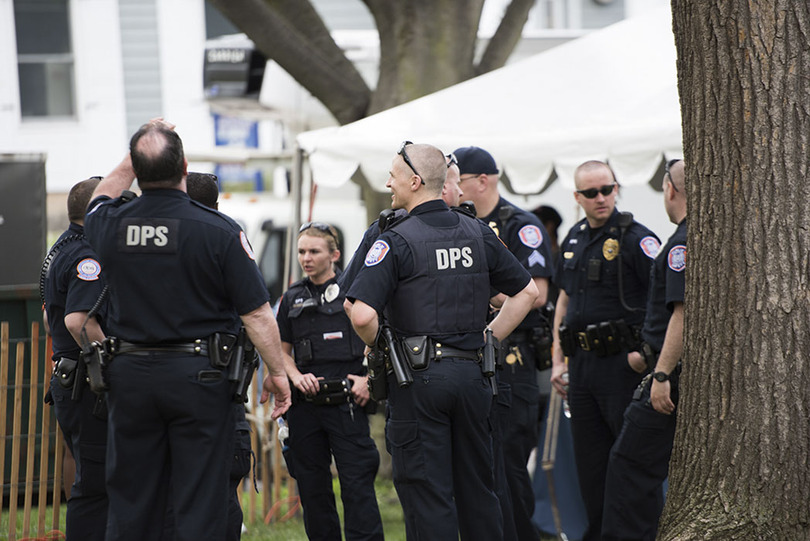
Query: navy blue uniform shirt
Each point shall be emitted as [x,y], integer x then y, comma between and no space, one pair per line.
[527,239]
[377,280]
[72,284]
[667,285]
[177,270]
[589,268]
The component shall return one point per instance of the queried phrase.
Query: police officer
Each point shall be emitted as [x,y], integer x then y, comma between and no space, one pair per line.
[72,284]
[603,276]
[528,240]
[204,188]
[326,423]
[181,277]
[639,460]
[451,194]
[431,274]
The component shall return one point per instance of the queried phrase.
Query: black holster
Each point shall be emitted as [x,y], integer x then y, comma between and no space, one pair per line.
[567,340]
[394,356]
[377,377]
[95,357]
[243,366]
[541,341]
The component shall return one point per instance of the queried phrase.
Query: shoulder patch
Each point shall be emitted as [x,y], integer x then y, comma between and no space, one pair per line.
[88,269]
[650,246]
[377,253]
[676,259]
[246,245]
[530,236]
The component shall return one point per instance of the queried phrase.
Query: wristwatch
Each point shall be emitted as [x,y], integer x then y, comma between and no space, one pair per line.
[661,376]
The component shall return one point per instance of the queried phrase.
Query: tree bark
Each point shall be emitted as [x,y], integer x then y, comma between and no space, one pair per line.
[739,469]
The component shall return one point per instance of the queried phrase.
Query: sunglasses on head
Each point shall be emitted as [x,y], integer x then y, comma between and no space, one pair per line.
[320,226]
[667,167]
[590,193]
[408,161]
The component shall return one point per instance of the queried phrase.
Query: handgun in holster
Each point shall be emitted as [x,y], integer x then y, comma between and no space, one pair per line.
[567,341]
[243,367]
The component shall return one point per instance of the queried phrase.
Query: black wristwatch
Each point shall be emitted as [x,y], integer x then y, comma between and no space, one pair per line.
[661,376]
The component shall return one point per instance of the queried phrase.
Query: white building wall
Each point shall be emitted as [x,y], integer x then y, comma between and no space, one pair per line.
[90,142]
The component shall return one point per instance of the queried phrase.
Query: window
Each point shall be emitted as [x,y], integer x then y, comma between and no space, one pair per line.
[44,57]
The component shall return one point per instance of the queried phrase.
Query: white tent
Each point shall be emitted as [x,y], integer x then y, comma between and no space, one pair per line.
[610,95]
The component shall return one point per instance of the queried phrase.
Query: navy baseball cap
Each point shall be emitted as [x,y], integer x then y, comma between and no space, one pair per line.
[475,161]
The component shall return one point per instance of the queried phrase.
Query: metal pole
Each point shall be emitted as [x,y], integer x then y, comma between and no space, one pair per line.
[296,191]
[550,455]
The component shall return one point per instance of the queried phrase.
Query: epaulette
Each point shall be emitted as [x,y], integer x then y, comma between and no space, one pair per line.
[505,212]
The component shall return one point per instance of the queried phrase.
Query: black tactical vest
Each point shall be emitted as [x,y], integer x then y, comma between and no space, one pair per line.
[322,332]
[449,292]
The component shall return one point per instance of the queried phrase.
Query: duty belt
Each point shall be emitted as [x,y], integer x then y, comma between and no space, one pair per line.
[197,347]
[440,352]
[605,338]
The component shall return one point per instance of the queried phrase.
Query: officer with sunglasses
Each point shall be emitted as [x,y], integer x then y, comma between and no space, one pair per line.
[639,460]
[324,423]
[603,275]
[431,274]
[451,194]
[519,402]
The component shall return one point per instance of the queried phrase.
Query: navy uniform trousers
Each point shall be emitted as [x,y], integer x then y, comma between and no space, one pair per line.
[639,465]
[439,435]
[316,434]
[168,417]
[600,390]
[86,437]
[519,434]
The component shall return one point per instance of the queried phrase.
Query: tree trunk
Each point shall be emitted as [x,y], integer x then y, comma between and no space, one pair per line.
[739,468]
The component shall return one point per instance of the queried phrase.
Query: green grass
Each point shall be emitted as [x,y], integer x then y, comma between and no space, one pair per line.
[293,529]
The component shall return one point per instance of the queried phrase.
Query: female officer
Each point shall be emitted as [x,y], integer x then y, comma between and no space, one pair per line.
[326,423]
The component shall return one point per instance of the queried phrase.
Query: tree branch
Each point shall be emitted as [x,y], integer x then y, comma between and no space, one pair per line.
[506,37]
[288,31]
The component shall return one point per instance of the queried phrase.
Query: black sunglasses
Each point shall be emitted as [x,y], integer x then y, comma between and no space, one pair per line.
[451,160]
[667,167]
[405,157]
[320,226]
[590,193]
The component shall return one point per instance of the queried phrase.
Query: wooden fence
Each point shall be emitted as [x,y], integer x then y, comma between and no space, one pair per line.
[31,449]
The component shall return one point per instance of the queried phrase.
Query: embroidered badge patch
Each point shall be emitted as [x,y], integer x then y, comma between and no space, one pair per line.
[530,236]
[246,245]
[650,246]
[677,258]
[88,269]
[377,253]
[537,259]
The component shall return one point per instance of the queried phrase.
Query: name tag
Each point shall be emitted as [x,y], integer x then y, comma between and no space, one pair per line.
[337,335]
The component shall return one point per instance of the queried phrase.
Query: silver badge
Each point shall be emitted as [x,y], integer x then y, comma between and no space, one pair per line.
[331,292]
